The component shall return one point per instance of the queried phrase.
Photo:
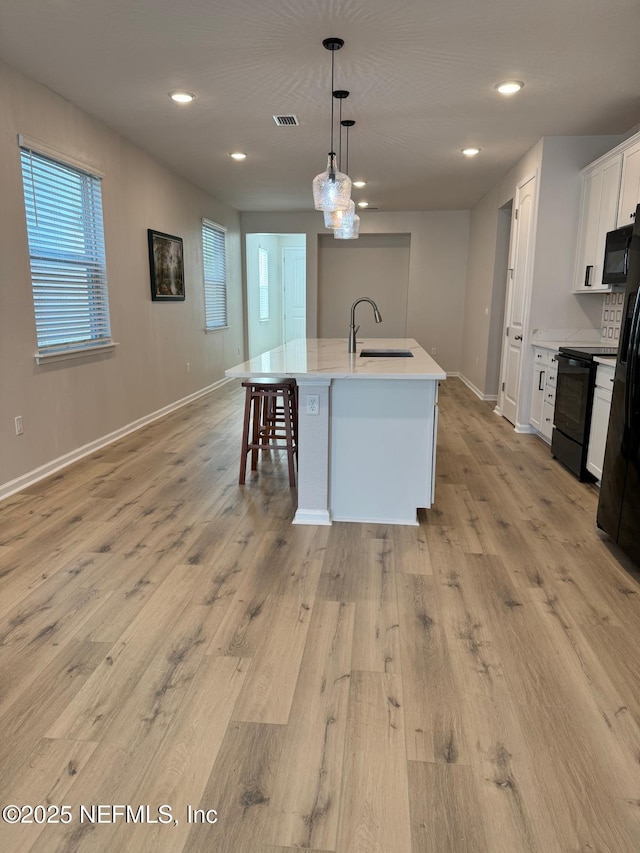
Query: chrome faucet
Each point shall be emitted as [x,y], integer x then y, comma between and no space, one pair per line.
[353,329]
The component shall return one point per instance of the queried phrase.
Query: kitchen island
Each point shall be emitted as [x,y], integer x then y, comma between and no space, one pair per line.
[367,426]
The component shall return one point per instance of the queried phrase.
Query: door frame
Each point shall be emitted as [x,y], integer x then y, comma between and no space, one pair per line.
[524,391]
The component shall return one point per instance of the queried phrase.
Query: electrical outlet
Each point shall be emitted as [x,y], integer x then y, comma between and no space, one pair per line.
[313,404]
[434,350]
[19,427]
[188,367]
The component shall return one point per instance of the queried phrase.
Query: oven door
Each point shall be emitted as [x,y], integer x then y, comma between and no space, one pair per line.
[572,409]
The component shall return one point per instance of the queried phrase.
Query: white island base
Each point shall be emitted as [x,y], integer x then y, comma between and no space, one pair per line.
[383,438]
[367,438]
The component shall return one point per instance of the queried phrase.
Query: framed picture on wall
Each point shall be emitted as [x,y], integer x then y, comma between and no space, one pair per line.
[166,265]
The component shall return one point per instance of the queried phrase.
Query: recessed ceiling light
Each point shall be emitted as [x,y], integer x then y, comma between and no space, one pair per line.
[238,155]
[509,87]
[470,152]
[359,184]
[182,97]
[363,204]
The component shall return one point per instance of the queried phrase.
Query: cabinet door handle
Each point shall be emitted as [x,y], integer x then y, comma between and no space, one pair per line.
[587,275]
[518,338]
[540,381]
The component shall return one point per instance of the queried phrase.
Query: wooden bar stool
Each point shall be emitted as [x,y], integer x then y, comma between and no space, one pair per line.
[270,422]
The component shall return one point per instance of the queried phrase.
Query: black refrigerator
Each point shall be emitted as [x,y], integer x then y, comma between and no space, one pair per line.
[619,502]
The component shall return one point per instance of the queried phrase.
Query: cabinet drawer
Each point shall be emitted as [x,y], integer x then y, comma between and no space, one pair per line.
[545,357]
[542,356]
[547,420]
[552,378]
[550,395]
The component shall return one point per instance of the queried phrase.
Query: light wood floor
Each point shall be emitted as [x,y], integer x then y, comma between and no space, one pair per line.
[168,638]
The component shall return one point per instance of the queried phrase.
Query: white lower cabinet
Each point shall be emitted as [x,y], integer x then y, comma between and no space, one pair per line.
[543,391]
[600,419]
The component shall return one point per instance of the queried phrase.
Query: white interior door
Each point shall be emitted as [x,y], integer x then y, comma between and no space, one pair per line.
[517,291]
[294,297]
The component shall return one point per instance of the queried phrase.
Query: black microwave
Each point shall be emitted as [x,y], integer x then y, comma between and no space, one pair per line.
[616,255]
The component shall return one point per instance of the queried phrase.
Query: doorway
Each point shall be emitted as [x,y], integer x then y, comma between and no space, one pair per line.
[276,290]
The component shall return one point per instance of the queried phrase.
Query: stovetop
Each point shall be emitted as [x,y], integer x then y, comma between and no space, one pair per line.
[589,353]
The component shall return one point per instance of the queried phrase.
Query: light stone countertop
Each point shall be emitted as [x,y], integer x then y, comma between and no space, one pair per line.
[310,358]
[555,345]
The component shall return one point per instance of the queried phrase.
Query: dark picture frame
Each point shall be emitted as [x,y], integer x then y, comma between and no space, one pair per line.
[166,266]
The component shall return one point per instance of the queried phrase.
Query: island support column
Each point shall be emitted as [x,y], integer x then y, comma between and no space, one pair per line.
[313,453]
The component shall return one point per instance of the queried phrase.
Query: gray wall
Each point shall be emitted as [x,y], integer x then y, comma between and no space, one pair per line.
[71,404]
[375,265]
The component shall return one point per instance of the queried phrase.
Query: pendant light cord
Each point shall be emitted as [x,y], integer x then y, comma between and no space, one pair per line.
[340,140]
[333,59]
[347,151]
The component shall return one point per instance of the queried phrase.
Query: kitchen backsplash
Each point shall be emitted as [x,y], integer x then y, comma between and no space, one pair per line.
[612,317]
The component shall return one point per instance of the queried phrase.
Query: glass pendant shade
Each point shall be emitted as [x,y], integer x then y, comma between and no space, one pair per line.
[348,231]
[332,188]
[338,218]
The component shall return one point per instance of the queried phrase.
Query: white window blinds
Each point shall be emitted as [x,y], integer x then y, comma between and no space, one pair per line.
[66,247]
[215,275]
[263,278]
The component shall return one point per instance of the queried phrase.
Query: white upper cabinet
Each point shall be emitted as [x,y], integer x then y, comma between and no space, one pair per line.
[598,214]
[630,186]
[610,194]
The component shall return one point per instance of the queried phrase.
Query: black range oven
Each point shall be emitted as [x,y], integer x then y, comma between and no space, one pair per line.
[574,401]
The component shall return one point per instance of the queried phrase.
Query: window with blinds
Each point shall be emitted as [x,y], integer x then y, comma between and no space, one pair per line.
[66,248]
[215,275]
[263,279]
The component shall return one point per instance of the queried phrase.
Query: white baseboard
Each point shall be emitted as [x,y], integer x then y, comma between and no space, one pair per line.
[31,477]
[405,522]
[525,429]
[312,516]
[486,398]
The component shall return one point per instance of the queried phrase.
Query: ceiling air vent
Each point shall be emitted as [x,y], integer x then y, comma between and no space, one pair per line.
[286,121]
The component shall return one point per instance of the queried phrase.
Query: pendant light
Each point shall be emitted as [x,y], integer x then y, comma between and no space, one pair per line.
[349,228]
[332,188]
[338,218]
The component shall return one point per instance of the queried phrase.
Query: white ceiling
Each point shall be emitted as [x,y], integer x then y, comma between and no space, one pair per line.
[421,75]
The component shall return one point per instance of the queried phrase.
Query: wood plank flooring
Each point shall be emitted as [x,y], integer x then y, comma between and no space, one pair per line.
[167,638]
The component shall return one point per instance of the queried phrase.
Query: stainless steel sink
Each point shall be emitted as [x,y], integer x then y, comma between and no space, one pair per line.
[386,353]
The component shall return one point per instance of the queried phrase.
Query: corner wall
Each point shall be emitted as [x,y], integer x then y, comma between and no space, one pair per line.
[71,404]
[557,161]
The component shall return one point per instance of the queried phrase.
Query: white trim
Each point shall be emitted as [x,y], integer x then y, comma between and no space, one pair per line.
[525,429]
[80,352]
[32,477]
[312,516]
[486,398]
[514,236]
[215,224]
[31,144]
[406,522]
